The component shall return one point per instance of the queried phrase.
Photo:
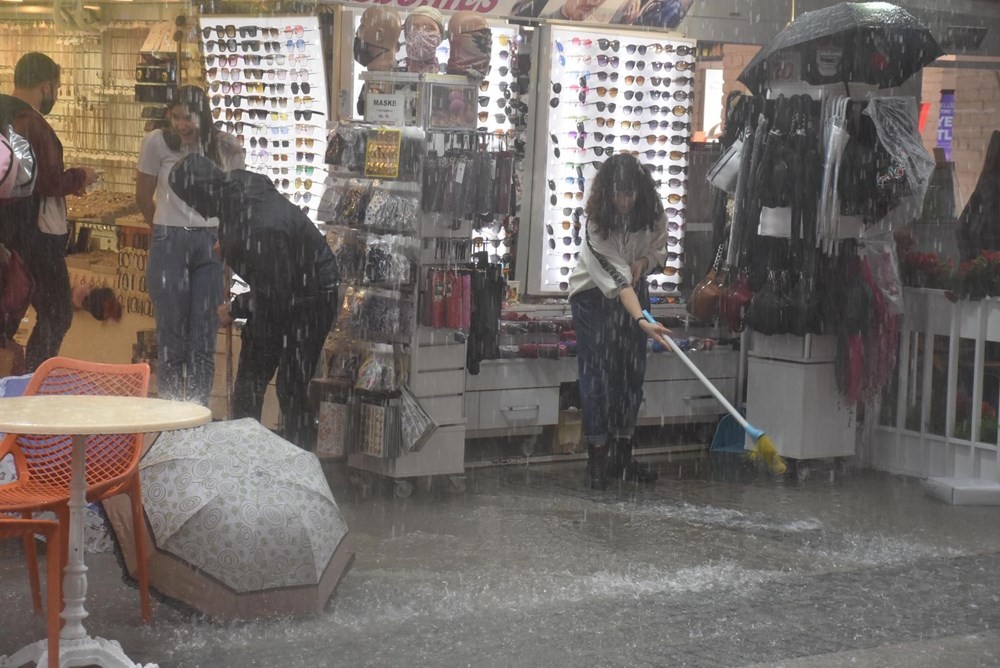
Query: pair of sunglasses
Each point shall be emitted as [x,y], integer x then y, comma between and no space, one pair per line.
[222,45]
[251,31]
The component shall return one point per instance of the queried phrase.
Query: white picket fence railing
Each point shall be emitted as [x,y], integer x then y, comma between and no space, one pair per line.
[940,416]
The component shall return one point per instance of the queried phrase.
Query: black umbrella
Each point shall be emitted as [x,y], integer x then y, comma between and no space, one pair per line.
[876,43]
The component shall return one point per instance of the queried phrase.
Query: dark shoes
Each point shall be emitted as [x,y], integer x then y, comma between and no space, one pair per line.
[621,465]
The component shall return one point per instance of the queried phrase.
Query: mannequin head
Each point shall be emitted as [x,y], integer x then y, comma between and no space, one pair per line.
[424,31]
[471,43]
[377,39]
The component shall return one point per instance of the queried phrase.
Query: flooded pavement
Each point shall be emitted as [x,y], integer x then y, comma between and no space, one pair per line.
[712,566]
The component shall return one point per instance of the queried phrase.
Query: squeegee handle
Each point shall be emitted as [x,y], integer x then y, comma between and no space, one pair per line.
[750,429]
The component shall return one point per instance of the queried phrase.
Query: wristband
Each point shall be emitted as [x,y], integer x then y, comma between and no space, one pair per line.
[641,318]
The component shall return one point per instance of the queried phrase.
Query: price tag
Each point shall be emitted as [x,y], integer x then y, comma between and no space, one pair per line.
[460,173]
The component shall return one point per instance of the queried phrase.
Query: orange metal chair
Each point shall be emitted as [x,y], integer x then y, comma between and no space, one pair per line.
[26,529]
[43,463]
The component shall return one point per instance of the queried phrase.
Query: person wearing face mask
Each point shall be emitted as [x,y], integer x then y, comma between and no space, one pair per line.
[625,238]
[36,226]
[184,273]
[424,30]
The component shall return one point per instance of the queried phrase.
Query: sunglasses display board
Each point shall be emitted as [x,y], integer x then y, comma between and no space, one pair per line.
[502,112]
[608,93]
[266,82]
[501,108]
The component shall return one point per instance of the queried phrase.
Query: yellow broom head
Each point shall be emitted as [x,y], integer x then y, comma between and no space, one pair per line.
[764,450]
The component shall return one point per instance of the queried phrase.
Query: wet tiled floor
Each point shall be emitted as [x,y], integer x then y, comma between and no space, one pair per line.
[715,565]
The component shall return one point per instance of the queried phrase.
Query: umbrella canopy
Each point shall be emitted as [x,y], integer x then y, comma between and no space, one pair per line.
[243,524]
[875,43]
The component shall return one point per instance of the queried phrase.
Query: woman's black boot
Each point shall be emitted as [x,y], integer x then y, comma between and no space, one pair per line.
[616,462]
[597,466]
[631,469]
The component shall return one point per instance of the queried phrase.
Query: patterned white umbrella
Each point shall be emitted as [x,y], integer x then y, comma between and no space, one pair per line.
[243,523]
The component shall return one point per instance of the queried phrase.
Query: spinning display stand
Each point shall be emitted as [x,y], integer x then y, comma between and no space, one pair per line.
[383,166]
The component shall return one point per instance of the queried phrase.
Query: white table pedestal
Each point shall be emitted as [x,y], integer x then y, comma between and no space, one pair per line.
[86,651]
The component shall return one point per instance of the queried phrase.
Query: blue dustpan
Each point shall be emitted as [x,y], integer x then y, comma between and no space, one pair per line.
[729,435]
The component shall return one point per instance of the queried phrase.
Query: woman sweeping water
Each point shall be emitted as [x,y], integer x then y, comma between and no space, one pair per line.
[625,239]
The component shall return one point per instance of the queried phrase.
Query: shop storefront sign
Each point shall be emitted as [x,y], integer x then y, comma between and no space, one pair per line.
[656,14]
[386,109]
[946,120]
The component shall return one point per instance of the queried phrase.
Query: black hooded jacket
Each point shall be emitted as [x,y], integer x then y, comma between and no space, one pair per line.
[267,240]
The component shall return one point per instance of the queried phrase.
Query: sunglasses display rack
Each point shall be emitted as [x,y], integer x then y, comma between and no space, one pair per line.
[500,106]
[609,93]
[267,86]
[502,112]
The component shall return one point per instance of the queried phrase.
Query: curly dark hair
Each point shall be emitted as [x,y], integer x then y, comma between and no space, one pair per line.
[195,100]
[616,170]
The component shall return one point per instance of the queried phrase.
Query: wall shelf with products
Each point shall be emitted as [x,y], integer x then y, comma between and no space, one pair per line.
[96,119]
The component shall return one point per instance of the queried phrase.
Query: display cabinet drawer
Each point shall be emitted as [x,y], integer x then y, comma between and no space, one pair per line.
[714,364]
[439,358]
[516,373]
[438,383]
[518,408]
[681,398]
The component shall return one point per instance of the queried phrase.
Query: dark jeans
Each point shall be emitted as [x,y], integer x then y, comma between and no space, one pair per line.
[611,355]
[291,346]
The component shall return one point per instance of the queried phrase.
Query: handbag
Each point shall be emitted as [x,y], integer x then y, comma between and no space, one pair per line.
[733,303]
[704,301]
[726,170]
[768,311]
[16,290]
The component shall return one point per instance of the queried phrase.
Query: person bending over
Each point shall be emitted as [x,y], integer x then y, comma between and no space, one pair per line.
[293,277]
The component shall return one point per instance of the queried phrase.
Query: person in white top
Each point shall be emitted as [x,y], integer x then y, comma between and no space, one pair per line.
[625,238]
[185,273]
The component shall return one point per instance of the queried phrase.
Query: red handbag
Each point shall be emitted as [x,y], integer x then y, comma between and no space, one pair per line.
[733,302]
[704,301]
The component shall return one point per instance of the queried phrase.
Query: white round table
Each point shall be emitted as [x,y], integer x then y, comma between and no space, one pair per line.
[80,416]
